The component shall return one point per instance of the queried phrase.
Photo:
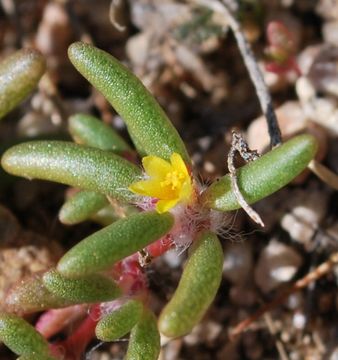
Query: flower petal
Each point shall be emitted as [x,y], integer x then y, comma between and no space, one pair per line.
[165,205]
[186,190]
[156,167]
[152,188]
[178,164]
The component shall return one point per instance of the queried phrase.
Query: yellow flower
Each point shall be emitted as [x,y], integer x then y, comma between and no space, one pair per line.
[169,182]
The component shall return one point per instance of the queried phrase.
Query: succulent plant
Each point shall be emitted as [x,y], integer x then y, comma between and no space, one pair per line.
[144,212]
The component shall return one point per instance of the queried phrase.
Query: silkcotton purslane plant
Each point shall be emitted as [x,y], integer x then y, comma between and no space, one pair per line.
[146,211]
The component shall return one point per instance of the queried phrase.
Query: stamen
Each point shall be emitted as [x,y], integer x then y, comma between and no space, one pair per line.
[174,179]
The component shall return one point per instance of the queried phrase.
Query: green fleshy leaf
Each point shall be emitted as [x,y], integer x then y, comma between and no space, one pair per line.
[119,322]
[109,214]
[21,337]
[19,74]
[86,205]
[76,165]
[144,342]
[148,125]
[31,295]
[264,176]
[88,130]
[92,288]
[81,207]
[197,288]
[113,243]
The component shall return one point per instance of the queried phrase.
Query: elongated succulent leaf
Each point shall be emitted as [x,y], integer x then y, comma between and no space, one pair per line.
[197,288]
[144,342]
[148,125]
[19,74]
[81,206]
[114,242]
[21,337]
[264,176]
[88,130]
[92,288]
[72,164]
[31,295]
[119,322]
[110,214]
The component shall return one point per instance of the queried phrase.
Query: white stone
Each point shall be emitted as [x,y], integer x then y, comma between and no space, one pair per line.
[330,32]
[334,355]
[305,89]
[277,264]
[308,208]
[291,119]
[299,320]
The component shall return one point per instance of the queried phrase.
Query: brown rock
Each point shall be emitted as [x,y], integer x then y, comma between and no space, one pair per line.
[22,253]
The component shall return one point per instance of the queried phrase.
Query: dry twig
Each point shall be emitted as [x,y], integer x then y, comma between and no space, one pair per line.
[240,145]
[324,174]
[252,67]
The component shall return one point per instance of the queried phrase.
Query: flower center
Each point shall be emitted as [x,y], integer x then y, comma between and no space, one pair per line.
[173,179]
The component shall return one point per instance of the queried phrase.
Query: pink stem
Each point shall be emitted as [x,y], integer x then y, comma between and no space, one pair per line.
[130,277]
[74,346]
[53,321]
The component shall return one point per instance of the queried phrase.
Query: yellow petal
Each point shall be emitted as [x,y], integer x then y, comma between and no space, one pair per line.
[152,188]
[178,164]
[186,190]
[165,205]
[156,167]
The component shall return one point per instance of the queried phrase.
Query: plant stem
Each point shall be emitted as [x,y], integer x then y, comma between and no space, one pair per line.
[326,175]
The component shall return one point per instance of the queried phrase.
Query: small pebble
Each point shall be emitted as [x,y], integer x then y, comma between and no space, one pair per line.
[277,264]
[295,301]
[330,32]
[305,89]
[171,350]
[299,320]
[327,9]
[334,354]
[308,209]
[291,119]
[205,332]
[323,72]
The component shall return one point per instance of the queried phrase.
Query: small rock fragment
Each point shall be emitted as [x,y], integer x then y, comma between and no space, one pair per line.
[204,332]
[334,354]
[328,9]
[308,209]
[319,64]
[291,119]
[277,264]
[330,32]
[22,253]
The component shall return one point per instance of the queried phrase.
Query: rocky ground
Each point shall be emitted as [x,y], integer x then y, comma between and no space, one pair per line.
[186,55]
